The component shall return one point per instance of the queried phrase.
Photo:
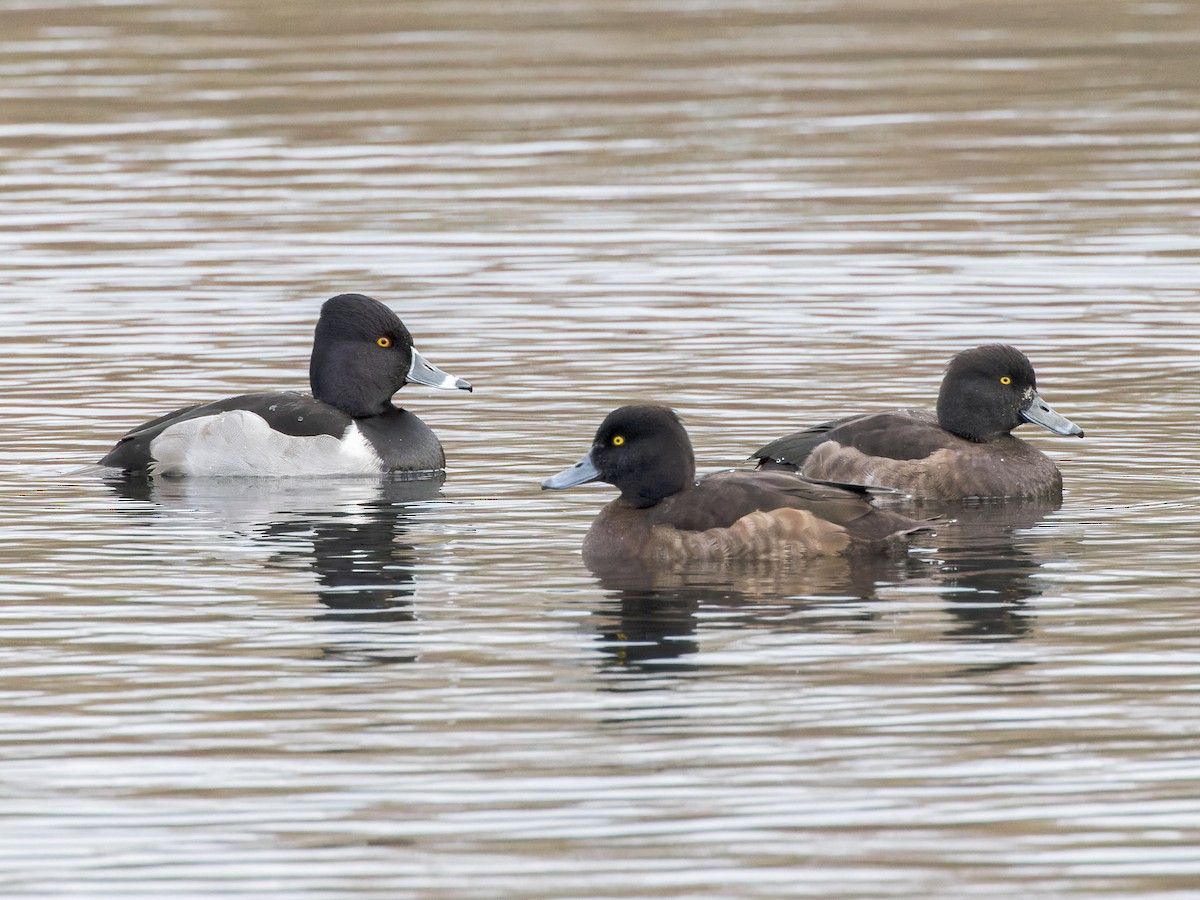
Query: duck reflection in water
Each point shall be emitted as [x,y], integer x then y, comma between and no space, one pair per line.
[983,568]
[978,564]
[650,624]
[350,530]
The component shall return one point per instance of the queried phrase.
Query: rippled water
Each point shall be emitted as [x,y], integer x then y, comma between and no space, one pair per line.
[764,214]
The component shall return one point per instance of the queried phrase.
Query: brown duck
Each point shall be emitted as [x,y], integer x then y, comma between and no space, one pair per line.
[965,450]
[665,514]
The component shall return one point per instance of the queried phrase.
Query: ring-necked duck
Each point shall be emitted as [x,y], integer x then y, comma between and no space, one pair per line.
[362,354]
[665,514]
[966,450]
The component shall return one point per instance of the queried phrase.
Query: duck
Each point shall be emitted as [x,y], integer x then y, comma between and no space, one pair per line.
[964,450]
[664,514]
[361,356]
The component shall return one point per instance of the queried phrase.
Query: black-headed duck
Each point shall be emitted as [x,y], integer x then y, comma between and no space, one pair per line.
[965,450]
[665,514]
[362,354]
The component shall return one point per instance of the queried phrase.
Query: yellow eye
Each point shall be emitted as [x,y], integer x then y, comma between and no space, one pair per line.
[617,441]
[384,342]
[1004,379]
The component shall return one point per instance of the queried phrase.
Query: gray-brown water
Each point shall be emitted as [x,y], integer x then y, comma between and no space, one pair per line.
[765,214]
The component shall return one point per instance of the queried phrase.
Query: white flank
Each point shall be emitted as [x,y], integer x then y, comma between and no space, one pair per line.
[239,442]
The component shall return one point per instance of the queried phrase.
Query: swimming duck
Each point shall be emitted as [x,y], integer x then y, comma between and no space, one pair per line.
[665,514]
[362,354]
[965,450]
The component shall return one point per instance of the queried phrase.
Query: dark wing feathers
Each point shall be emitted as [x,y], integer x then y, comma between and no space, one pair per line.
[899,434]
[719,500]
[287,411]
[794,448]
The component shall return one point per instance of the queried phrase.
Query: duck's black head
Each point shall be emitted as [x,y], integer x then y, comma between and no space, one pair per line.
[990,390]
[362,354]
[643,451]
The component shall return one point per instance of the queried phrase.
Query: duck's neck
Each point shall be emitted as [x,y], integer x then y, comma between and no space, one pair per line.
[657,482]
[973,418]
[354,389]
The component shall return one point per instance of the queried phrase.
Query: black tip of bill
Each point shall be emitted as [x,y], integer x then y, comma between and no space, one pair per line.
[1038,412]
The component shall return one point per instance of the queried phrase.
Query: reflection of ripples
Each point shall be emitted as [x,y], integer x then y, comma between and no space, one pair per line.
[351,531]
[765,213]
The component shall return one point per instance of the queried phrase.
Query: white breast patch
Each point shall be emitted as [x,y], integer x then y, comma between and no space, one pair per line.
[239,442]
